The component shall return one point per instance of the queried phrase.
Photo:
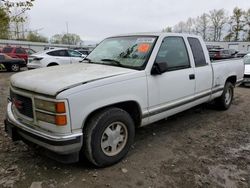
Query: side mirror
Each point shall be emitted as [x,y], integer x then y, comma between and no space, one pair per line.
[159,68]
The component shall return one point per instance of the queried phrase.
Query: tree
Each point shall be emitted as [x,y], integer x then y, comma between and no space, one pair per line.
[70,38]
[4,24]
[202,25]
[180,27]
[237,22]
[247,24]
[218,19]
[36,37]
[56,39]
[167,29]
[16,11]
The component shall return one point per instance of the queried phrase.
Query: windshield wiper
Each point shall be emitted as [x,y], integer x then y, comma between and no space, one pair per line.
[113,61]
[87,59]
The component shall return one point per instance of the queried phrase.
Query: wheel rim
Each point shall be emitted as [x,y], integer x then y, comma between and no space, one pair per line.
[15,67]
[114,138]
[228,96]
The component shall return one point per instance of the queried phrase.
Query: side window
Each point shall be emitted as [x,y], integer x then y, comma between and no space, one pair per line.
[20,51]
[61,53]
[199,57]
[173,52]
[7,50]
[2,57]
[73,53]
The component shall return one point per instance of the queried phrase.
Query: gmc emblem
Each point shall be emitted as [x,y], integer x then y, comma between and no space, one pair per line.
[18,104]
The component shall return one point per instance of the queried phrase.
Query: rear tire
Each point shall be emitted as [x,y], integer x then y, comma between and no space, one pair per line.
[108,136]
[225,100]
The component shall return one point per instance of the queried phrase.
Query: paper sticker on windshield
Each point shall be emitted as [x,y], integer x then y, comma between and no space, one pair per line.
[145,40]
[143,48]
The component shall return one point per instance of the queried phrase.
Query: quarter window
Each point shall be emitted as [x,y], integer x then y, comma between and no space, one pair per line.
[173,52]
[198,54]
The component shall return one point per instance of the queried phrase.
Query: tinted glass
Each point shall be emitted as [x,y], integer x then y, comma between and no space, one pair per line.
[199,57]
[1,57]
[61,53]
[73,53]
[20,51]
[173,52]
[7,50]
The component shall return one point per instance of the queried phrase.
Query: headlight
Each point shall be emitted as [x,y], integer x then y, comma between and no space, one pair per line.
[51,112]
[55,107]
[59,120]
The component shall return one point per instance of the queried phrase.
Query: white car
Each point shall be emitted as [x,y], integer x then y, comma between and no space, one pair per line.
[59,56]
[247,70]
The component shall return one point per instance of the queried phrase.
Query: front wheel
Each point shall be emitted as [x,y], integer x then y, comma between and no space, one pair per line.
[225,100]
[108,136]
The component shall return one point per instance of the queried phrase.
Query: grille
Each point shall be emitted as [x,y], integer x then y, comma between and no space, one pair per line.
[246,75]
[23,104]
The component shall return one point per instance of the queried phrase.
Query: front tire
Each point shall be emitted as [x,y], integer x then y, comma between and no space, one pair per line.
[108,136]
[225,100]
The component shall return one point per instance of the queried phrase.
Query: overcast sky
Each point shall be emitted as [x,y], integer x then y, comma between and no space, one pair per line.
[97,19]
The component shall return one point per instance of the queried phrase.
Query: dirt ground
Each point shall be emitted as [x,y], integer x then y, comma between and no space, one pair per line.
[201,147]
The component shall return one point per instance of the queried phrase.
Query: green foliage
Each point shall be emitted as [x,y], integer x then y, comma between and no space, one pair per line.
[167,29]
[36,37]
[70,38]
[247,24]
[237,22]
[4,24]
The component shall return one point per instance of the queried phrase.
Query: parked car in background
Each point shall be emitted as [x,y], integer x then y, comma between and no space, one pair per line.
[216,54]
[241,54]
[30,51]
[58,56]
[246,60]
[16,52]
[83,51]
[11,64]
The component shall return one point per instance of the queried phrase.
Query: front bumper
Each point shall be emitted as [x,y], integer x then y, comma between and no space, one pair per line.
[68,146]
[33,66]
[246,79]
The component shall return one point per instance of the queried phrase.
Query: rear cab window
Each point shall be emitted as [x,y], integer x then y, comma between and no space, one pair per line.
[198,53]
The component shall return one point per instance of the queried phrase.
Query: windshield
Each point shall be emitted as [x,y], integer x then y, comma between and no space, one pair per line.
[130,52]
[247,59]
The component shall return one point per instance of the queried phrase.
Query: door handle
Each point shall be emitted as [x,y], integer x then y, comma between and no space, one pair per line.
[191,76]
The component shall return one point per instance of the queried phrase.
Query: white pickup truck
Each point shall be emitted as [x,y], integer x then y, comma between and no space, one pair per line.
[128,81]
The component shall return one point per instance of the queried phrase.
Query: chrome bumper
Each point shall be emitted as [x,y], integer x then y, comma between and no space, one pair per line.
[60,144]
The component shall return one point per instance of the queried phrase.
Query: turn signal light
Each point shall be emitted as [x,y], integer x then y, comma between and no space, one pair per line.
[61,120]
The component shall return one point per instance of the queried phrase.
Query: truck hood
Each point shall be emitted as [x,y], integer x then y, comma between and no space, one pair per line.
[247,69]
[53,80]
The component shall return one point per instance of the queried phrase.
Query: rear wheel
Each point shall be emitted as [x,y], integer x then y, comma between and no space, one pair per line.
[15,68]
[225,100]
[108,136]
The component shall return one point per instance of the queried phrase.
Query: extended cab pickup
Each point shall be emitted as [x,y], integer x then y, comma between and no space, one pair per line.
[128,81]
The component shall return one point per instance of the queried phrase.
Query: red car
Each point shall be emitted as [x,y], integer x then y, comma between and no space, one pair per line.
[16,52]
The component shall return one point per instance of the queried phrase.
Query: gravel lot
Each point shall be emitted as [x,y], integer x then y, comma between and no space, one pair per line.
[201,147]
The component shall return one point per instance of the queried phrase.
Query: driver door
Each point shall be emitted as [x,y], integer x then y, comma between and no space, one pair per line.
[176,86]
